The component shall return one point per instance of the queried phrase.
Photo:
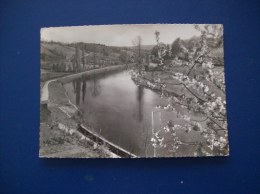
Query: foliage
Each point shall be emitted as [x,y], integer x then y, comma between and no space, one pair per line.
[137,43]
[154,51]
[123,56]
[176,47]
[167,53]
[62,57]
[202,96]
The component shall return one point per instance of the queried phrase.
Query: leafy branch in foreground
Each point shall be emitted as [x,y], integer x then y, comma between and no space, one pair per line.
[203,95]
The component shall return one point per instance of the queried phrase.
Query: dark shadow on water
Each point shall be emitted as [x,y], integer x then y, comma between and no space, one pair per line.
[83,89]
[140,94]
[95,86]
[78,86]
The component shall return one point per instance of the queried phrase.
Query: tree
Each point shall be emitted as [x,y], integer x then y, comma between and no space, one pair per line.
[167,54]
[158,46]
[157,37]
[176,47]
[105,51]
[123,57]
[202,95]
[94,57]
[137,42]
[83,57]
[161,51]
[76,58]
[154,51]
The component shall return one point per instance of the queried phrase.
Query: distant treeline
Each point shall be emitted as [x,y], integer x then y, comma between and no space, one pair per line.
[81,56]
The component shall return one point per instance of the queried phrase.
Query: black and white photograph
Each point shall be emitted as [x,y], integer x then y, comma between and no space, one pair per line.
[133,91]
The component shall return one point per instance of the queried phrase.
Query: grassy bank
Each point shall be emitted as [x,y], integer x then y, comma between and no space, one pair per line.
[59,136]
[155,79]
[60,120]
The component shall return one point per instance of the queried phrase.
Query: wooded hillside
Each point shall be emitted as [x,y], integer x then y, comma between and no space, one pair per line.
[81,56]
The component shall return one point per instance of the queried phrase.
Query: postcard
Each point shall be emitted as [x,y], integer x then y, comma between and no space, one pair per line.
[133,91]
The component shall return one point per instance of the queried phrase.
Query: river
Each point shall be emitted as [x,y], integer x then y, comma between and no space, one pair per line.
[119,110]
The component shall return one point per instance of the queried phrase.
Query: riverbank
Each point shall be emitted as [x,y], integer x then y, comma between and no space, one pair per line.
[71,77]
[159,82]
[59,136]
[163,81]
[170,88]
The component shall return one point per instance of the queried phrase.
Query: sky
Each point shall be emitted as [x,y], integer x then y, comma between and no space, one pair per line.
[119,35]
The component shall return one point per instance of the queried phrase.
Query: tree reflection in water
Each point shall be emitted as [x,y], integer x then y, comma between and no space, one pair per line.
[126,118]
[77,89]
[74,86]
[140,94]
[95,86]
[83,89]
[80,85]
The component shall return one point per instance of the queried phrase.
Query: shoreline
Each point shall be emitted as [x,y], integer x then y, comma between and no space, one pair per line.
[63,118]
[148,83]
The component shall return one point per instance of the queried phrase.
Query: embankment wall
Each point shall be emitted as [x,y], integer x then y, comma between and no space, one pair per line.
[91,72]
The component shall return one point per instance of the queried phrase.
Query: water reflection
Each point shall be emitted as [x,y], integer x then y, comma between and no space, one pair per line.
[77,90]
[95,86]
[84,84]
[116,108]
[74,86]
[80,86]
[140,93]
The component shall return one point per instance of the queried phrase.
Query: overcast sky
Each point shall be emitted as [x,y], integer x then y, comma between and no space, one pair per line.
[118,35]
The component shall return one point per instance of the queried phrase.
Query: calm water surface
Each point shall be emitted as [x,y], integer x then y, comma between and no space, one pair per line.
[118,109]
